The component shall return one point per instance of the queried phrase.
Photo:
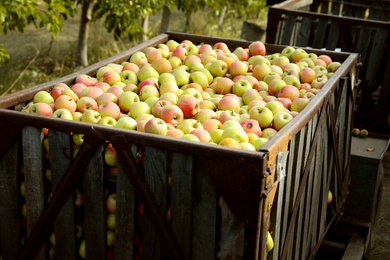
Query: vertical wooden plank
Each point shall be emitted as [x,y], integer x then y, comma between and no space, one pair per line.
[376,55]
[95,208]
[232,235]
[156,175]
[288,30]
[304,32]
[34,179]
[64,227]
[320,34]
[362,42]
[325,177]
[181,200]
[10,210]
[333,36]
[204,219]
[125,216]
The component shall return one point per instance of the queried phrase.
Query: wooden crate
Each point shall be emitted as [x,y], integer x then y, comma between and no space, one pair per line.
[369,38]
[283,188]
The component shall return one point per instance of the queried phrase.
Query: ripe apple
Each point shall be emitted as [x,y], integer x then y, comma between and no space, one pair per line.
[111,221]
[263,115]
[87,80]
[285,101]
[307,75]
[148,91]
[109,109]
[330,198]
[156,126]
[107,121]
[275,86]
[189,105]
[189,124]
[251,126]
[292,80]
[105,97]
[57,89]
[298,54]
[43,97]
[230,142]
[126,122]
[138,108]
[86,103]
[257,48]
[299,104]
[275,106]
[261,70]
[269,132]
[205,114]
[271,76]
[228,115]
[172,114]
[82,249]
[41,109]
[77,116]
[218,68]
[102,85]
[65,101]
[230,103]
[63,113]
[325,58]
[211,124]
[237,68]
[290,92]
[258,143]
[281,119]
[333,66]
[90,116]
[202,134]
[182,77]
[319,82]
[71,93]
[190,137]
[287,52]
[241,53]
[111,203]
[175,133]
[269,243]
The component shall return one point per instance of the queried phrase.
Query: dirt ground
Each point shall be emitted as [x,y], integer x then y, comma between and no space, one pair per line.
[381,240]
[18,46]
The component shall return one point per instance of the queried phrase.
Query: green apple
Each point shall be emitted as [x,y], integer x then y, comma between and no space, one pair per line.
[43,97]
[107,121]
[126,99]
[190,137]
[138,108]
[250,95]
[240,87]
[236,133]
[128,77]
[299,104]
[281,119]
[148,91]
[189,124]
[156,126]
[218,68]
[126,122]
[263,115]
[90,116]
[216,135]
[63,113]
[275,106]
[287,51]
[269,132]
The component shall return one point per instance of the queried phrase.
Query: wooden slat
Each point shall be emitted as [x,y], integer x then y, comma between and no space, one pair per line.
[156,175]
[64,227]
[288,30]
[181,200]
[95,208]
[304,32]
[10,210]
[376,55]
[33,154]
[333,36]
[320,33]
[204,215]
[125,216]
[355,247]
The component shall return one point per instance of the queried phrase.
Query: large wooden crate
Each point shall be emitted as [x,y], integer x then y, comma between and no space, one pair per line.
[369,38]
[222,201]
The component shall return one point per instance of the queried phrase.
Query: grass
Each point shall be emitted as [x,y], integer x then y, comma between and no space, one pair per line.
[37,57]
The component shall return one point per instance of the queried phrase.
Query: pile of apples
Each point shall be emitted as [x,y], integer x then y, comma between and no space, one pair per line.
[236,97]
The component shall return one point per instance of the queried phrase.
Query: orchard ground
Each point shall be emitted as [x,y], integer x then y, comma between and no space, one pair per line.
[37,58]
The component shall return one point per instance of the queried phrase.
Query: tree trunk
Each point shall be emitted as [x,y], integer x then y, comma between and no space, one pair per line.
[222,16]
[82,43]
[166,16]
[145,28]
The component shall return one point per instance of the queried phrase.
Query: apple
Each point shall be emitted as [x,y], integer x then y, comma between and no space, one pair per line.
[148,91]
[116,90]
[270,242]
[57,90]
[285,101]
[87,80]
[257,48]
[230,142]
[156,126]
[319,82]
[139,58]
[329,198]
[43,97]
[200,78]
[138,108]
[229,103]
[106,97]
[130,66]
[77,116]
[128,77]
[115,66]
[211,124]
[157,107]
[290,92]
[189,124]
[287,52]
[189,105]
[333,66]
[292,80]
[250,95]
[86,103]
[202,134]
[299,104]
[111,221]
[205,114]
[271,76]
[166,77]
[228,115]
[65,101]
[162,65]
[218,68]
[307,75]
[192,92]
[109,109]
[190,137]
[224,85]
[175,62]
[107,121]
[298,55]
[78,139]
[263,115]
[261,70]
[180,52]
[258,143]
[41,109]
[92,92]
[237,68]
[281,119]
[126,122]
[363,133]
[172,114]
[69,92]
[182,77]
[175,133]
[325,58]
[90,116]
[269,132]
[63,113]
[242,53]
[82,249]
[275,86]
[279,62]
[111,203]
[251,126]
